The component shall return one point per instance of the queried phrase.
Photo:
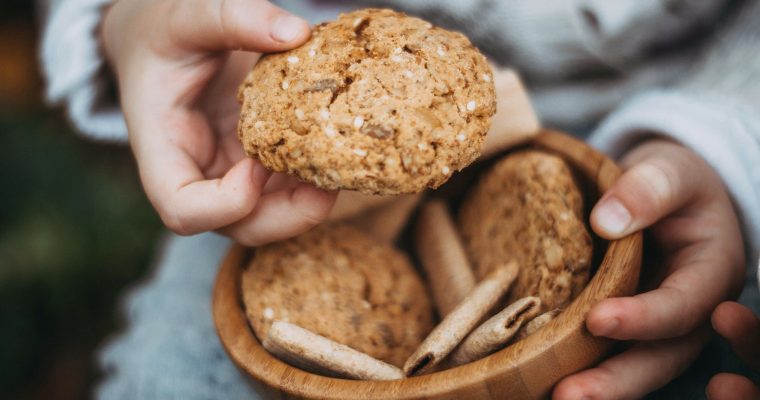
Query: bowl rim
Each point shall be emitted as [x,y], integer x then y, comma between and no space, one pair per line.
[520,370]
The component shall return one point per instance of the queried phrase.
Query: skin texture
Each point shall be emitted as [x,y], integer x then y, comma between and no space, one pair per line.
[178,76]
[741,328]
[681,200]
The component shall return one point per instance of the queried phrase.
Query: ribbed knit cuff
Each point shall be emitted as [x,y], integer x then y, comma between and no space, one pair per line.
[75,70]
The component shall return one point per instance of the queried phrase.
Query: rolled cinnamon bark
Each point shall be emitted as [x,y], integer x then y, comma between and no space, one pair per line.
[515,121]
[310,351]
[350,204]
[386,221]
[443,257]
[493,334]
[460,321]
[537,323]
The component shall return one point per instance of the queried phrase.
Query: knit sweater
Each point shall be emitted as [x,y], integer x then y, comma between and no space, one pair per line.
[685,69]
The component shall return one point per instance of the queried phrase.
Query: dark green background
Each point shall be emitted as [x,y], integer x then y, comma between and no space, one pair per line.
[75,230]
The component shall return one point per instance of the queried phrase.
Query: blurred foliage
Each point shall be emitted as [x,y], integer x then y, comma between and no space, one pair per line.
[75,227]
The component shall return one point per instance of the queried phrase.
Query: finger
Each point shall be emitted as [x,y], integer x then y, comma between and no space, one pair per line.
[251,25]
[172,153]
[634,373]
[683,301]
[654,187]
[741,328]
[283,214]
[731,387]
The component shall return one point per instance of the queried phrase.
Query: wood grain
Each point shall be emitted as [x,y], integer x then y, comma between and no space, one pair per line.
[525,370]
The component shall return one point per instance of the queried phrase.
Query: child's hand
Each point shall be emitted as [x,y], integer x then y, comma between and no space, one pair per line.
[741,328]
[178,83]
[672,191]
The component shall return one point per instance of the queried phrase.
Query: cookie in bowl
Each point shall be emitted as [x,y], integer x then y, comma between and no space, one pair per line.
[527,207]
[342,284]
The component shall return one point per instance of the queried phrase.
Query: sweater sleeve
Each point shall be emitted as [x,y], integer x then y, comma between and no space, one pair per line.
[75,72]
[715,111]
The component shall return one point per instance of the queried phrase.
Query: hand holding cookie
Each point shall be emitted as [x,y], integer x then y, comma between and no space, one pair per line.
[178,75]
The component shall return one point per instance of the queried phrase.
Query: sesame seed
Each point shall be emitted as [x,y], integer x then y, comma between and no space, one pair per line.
[258,125]
[285,84]
[299,113]
[293,59]
[445,170]
[268,313]
[397,50]
[408,73]
[360,152]
[324,113]
[396,58]
[487,77]
[357,22]
[312,52]
[366,304]
[471,105]
[421,146]
[441,52]
[358,122]
[461,137]
[330,131]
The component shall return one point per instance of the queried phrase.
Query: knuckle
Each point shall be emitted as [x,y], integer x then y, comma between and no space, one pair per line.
[656,182]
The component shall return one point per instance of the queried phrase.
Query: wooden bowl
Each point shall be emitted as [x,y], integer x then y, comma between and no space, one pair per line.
[528,369]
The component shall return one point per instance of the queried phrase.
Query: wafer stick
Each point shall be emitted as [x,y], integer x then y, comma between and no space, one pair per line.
[460,321]
[443,257]
[537,323]
[307,350]
[388,220]
[350,204]
[496,332]
[515,120]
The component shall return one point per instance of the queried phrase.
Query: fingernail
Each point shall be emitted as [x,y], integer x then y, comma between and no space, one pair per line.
[607,327]
[613,217]
[287,28]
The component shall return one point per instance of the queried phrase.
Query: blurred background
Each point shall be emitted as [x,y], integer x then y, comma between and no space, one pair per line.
[75,230]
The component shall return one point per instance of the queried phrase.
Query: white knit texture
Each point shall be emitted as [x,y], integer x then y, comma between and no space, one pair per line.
[74,68]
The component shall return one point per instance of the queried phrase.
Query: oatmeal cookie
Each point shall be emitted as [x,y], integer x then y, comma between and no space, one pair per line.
[339,283]
[528,208]
[375,101]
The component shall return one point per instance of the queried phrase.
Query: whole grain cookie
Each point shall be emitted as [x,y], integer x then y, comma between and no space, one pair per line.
[527,207]
[375,101]
[339,283]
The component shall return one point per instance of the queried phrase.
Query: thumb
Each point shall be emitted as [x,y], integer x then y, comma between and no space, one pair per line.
[662,179]
[252,25]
